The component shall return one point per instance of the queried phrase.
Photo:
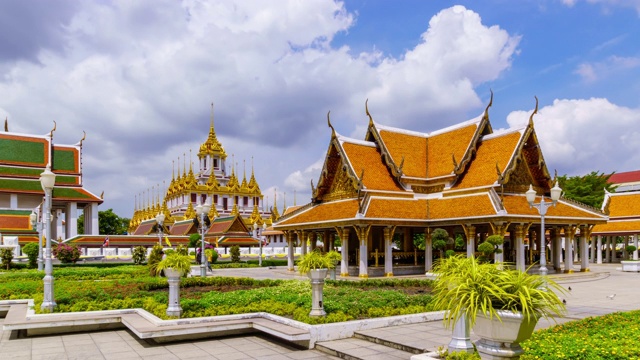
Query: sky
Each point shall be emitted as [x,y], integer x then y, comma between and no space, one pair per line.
[139,78]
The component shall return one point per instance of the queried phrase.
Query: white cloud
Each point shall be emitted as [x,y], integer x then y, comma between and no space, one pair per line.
[138,77]
[580,136]
[591,72]
[607,4]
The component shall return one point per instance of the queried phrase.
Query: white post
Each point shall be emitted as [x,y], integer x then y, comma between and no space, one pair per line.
[599,250]
[47,178]
[635,243]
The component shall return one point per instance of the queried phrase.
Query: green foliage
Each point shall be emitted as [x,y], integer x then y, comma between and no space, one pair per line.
[491,246]
[314,260]
[418,241]
[108,223]
[235,253]
[467,287]
[181,249]
[612,336]
[194,240]
[462,355]
[155,256]
[630,248]
[67,254]
[139,255]
[587,189]
[212,255]
[177,261]
[459,242]
[334,256]
[449,253]
[31,250]
[6,255]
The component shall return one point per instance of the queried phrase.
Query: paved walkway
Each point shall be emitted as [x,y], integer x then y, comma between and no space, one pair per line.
[591,295]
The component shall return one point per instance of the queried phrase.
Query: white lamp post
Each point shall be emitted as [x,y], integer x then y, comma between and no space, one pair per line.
[262,237]
[33,217]
[47,180]
[202,210]
[542,209]
[255,235]
[160,221]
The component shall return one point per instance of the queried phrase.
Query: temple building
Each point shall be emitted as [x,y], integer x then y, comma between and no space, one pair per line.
[377,194]
[23,157]
[228,195]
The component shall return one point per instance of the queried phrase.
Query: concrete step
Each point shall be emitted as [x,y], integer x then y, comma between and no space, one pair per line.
[389,343]
[359,349]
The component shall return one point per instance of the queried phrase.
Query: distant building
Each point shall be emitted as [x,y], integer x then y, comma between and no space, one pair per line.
[23,157]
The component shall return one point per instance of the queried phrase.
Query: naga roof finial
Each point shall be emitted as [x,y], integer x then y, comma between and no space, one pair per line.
[366,109]
[84,136]
[486,110]
[54,129]
[535,111]
[6,124]
[333,131]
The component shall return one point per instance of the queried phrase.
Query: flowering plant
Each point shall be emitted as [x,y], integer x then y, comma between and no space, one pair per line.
[66,254]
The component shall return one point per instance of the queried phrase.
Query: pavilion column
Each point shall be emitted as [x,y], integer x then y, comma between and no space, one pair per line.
[520,229]
[71,220]
[635,243]
[569,232]
[624,247]
[592,250]
[599,249]
[428,250]
[388,248]
[557,255]
[470,234]
[499,228]
[607,250]
[585,233]
[302,237]
[574,243]
[407,241]
[325,241]
[344,251]
[363,237]
[289,235]
[614,248]
[313,237]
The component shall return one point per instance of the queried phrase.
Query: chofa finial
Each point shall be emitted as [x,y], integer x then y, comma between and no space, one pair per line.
[535,111]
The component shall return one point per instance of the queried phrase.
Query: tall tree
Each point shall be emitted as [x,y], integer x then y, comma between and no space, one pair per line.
[109,223]
[587,189]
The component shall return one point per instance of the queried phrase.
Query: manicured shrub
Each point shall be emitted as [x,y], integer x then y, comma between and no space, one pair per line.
[6,255]
[235,253]
[31,250]
[211,254]
[139,255]
[67,254]
[181,249]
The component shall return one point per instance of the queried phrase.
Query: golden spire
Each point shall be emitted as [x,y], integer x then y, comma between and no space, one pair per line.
[274,212]
[294,197]
[244,186]
[190,213]
[253,184]
[234,211]
[212,146]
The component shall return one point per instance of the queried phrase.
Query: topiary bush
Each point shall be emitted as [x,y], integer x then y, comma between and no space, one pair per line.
[6,255]
[31,250]
[67,254]
[139,255]
[154,258]
[235,253]
[182,250]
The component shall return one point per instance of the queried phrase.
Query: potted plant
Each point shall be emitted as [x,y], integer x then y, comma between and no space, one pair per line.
[335,257]
[315,265]
[502,306]
[174,266]
[630,265]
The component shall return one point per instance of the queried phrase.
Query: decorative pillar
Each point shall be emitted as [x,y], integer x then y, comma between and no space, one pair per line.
[599,252]
[313,240]
[428,250]
[94,230]
[302,237]
[569,232]
[607,249]
[363,237]
[614,249]
[592,250]
[344,250]
[585,233]
[470,234]
[635,243]
[407,240]
[519,233]
[576,253]
[388,249]
[557,256]
[499,228]
[71,220]
[289,235]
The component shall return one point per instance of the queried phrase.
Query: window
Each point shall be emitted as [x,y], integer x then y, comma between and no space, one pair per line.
[215,199]
[215,163]
[225,203]
[245,201]
[194,197]
[203,198]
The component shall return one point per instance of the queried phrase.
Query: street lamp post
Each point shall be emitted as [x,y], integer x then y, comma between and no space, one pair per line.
[47,180]
[264,228]
[33,217]
[160,221]
[255,235]
[202,210]
[542,209]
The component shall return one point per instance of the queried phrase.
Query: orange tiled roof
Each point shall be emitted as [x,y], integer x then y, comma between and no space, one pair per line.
[144,228]
[428,156]
[482,170]
[624,205]
[181,228]
[376,173]
[518,205]
[335,210]
[397,209]
[632,226]
[461,207]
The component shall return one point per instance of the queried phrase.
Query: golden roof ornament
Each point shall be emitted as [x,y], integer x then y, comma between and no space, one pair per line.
[212,146]
[213,212]
[190,213]
[535,111]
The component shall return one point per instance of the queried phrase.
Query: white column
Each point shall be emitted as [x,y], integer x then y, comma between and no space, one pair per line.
[635,243]
[364,253]
[557,256]
[568,258]
[13,201]
[471,241]
[388,251]
[584,257]
[71,220]
[428,251]
[573,248]
[614,246]
[344,251]
[290,235]
[520,260]
[607,253]
[599,249]
[592,250]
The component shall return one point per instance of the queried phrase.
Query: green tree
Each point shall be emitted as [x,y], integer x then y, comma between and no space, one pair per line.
[418,241]
[139,255]
[31,250]
[587,189]
[439,238]
[109,223]
[235,254]
[194,240]
[6,255]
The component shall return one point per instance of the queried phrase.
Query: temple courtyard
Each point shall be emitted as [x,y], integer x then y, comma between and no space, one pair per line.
[605,289]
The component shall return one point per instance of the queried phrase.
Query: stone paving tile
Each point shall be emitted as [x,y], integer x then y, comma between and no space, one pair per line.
[121,355]
[161,357]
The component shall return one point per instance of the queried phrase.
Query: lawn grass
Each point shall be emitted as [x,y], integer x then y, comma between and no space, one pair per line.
[130,286]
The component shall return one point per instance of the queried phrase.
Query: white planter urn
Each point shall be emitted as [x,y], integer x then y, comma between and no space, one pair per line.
[317,283]
[501,340]
[631,266]
[173,277]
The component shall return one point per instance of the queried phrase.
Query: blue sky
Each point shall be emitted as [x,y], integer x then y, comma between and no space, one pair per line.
[139,78]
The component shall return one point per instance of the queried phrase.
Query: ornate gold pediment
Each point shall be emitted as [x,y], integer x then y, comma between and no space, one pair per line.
[343,186]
